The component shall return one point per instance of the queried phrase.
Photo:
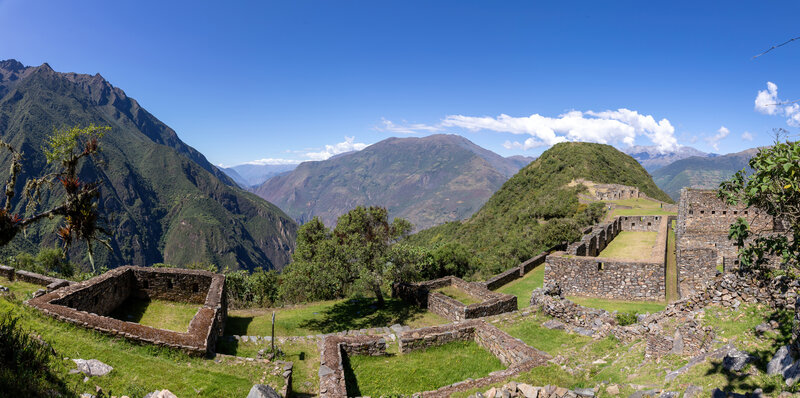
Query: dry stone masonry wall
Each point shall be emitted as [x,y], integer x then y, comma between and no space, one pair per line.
[87,304]
[424,295]
[702,236]
[579,272]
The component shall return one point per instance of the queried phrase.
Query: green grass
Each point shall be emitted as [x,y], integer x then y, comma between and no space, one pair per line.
[551,341]
[631,245]
[160,314]
[640,307]
[638,207]
[458,294]
[523,287]
[22,290]
[328,317]
[139,368]
[418,370]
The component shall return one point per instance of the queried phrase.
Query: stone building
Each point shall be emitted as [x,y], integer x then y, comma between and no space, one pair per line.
[702,244]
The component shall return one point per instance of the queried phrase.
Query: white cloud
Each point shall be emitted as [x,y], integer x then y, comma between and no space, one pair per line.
[747,136]
[714,141]
[528,144]
[330,150]
[768,103]
[413,128]
[622,125]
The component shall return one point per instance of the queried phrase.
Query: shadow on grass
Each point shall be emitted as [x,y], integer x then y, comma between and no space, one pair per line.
[131,310]
[361,313]
[742,380]
[237,325]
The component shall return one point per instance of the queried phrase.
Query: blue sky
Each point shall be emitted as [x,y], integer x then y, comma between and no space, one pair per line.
[266,80]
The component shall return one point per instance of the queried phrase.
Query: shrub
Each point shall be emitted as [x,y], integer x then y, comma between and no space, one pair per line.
[26,370]
[626,318]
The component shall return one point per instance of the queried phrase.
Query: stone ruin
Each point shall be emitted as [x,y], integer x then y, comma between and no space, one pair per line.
[513,353]
[701,235]
[424,295]
[579,270]
[89,303]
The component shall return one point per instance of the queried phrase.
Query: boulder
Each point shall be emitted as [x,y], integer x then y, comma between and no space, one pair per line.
[92,367]
[693,392]
[554,324]
[612,390]
[528,391]
[736,360]
[584,392]
[792,374]
[781,361]
[262,391]
[161,394]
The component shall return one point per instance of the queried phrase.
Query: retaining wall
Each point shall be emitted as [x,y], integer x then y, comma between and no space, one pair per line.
[86,304]
[423,295]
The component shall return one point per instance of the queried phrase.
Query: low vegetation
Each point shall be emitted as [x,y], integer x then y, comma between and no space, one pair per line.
[523,287]
[138,369]
[631,245]
[328,317]
[160,314]
[639,307]
[418,371]
[458,294]
[636,207]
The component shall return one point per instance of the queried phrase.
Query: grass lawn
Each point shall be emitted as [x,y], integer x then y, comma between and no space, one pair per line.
[160,314]
[639,307]
[458,294]
[138,368]
[551,341]
[328,317]
[638,207]
[523,287]
[22,290]
[418,370]
[631,245]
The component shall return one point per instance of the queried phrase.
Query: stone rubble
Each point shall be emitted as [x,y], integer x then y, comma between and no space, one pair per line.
[92,367]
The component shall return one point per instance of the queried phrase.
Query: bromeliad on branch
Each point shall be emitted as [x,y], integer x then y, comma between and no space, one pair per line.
[66,147]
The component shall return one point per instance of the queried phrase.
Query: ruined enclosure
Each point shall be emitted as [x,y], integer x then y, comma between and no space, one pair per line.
[513,353]
[424,294]
[701,237]
[580,272]
[90,303]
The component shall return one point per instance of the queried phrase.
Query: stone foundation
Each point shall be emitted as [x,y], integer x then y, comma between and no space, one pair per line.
[88,303]
[423,295]
[332,382]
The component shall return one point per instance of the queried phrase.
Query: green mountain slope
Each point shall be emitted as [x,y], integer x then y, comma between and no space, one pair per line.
[428,180]
[700,172]
[164,202]
[536,207]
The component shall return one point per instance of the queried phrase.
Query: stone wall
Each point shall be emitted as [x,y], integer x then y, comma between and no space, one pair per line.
[424,295]
[702,236]
[519,271]
[332,383]
[86,304]
[588,275]
[7,272]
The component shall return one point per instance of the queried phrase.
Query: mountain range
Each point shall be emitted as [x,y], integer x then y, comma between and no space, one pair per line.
[700,172]
[652,158]
[428,181]
[252,175]
[162,200]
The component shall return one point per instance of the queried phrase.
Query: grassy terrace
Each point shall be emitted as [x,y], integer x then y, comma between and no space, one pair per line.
[328,317]
[640,307]
[458,294]
[159,314]
[523,287]
[138,369]
[21,289]
[636,207]
[418,370]
[631,245]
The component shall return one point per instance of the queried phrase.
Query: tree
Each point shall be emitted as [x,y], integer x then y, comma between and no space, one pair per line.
[66,149]
[363,236]
[355,256]
[773,187]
